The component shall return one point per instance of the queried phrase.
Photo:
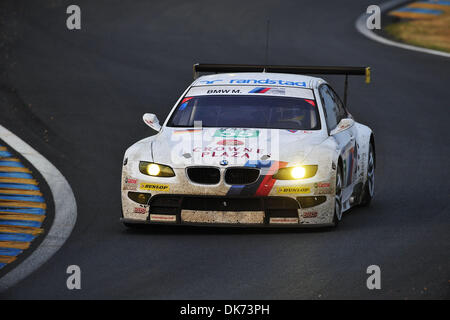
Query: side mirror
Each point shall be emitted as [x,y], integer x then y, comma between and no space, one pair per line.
[152,121]
[344,124]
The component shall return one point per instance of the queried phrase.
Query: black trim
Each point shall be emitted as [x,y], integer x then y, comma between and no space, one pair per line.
[225,68]
[229,225]
[311,201]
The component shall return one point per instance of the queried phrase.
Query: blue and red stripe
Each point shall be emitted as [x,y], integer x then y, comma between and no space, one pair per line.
[260,90]
[265,182]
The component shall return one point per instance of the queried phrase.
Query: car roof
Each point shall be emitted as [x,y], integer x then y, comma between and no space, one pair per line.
[259,78]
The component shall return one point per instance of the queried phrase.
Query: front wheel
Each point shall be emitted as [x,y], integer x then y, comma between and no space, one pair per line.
[369,187]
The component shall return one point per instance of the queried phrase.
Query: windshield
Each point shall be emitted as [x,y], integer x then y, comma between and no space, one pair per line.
[245,111]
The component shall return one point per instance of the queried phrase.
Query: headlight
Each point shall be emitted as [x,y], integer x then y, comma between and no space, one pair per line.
[296,173]
[155,170]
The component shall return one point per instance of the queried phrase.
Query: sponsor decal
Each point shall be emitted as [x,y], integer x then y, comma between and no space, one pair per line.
[154,187]
[230,142]
[184,103]
[236,133]
[280,91]
[187,131]
[283,220]
[210,81]
[293,190]
[310,214]
[268,81]
[322,185]
[259,90]
[260,81]
[130,184]
[163,218]
[272,89]
[223,91]
[140,210]
[230,152]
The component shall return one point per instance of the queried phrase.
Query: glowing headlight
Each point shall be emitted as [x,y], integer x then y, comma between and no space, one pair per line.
[155,169]
[296,173]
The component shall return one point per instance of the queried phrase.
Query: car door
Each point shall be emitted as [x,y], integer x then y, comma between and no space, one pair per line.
[346,140]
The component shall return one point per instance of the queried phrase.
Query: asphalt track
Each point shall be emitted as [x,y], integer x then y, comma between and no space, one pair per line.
[78,97]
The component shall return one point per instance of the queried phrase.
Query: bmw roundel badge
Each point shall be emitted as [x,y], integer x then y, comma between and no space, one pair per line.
[223,162]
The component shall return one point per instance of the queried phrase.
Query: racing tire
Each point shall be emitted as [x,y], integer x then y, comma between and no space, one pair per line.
[337,216]
[369,187]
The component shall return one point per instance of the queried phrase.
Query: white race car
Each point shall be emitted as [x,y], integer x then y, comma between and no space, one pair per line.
[252,146]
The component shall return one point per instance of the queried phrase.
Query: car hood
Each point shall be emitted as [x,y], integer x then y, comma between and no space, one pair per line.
[181,147]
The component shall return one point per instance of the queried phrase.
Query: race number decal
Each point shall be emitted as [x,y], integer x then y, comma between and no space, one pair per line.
[239,133]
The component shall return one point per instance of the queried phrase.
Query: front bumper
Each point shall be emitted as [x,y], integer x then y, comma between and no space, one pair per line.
[198,224]
[200,209]
[268,202]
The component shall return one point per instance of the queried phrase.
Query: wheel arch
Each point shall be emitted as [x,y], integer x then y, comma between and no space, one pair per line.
[372,142]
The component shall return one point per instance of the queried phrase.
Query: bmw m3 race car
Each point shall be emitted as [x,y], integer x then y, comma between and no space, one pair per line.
[252,146]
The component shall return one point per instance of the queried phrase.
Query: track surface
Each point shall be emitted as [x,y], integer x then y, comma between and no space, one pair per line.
[78,97]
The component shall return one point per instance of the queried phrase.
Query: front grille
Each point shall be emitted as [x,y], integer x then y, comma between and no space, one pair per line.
[204,175]
[241,175]
[165,205]
[281,207]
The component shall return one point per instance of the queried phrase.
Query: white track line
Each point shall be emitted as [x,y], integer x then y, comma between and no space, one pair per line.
[65,211]
[360,25]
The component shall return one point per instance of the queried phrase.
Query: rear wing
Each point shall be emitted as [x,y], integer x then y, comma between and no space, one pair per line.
[230,68]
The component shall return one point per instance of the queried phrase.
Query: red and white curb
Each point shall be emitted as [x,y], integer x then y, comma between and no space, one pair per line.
[65,211]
